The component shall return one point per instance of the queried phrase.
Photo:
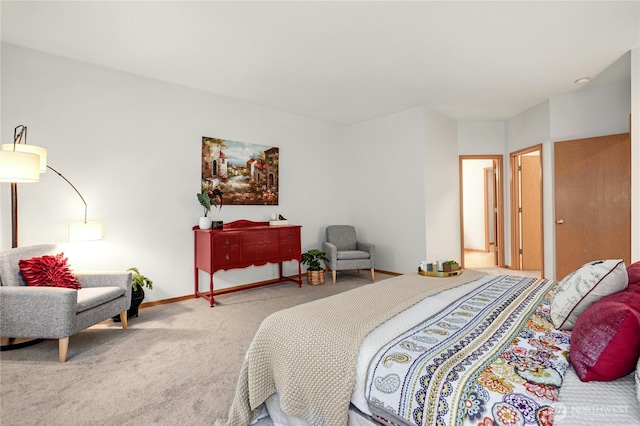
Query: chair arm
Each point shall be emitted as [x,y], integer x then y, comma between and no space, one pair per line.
[107,279]
[368,247]
[331,251]
[46,312]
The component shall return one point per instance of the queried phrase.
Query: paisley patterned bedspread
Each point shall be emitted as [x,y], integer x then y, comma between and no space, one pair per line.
[491,358]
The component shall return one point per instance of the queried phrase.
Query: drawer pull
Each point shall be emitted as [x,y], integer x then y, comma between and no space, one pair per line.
[289,249]
[227,257]
[289,236]
[227,243]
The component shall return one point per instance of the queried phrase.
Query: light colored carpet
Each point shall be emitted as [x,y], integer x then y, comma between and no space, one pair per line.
[177,364]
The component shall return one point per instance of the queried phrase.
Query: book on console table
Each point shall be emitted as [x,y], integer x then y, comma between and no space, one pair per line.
[278,222]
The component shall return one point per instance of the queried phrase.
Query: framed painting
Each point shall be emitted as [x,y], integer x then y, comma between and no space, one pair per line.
[245,173]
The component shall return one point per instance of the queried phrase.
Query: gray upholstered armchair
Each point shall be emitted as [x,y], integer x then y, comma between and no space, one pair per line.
[345,252]
[54,312]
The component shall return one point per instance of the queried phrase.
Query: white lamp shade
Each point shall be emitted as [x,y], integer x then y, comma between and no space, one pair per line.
[85,231]
[19,167]
[33,149]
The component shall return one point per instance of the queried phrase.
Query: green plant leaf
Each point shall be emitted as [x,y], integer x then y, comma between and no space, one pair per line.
[205,201]
[138,280]
[313,258]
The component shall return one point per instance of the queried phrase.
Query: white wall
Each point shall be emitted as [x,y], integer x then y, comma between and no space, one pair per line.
[481,137]
[384,186]
[601,111]
[132,148]
[407,200]
[528,128]
[442,177]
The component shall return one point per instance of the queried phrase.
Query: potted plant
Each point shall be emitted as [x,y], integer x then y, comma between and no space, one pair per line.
[315,270]
[205,201]
[208,199]
[450,266]
[138,282]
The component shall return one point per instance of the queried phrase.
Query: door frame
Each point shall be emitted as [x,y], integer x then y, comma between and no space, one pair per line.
[488,171]
[514,216]
[499,246]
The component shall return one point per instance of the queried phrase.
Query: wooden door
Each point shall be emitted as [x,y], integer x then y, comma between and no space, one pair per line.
[531,211]
[490,209]
[592,201]
[526,210]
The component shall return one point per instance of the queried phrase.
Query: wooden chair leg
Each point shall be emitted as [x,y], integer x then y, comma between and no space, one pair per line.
[333,273]
[123,320]
[373,275]
[63,346]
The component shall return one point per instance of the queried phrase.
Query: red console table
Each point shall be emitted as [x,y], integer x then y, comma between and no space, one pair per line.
[241,244]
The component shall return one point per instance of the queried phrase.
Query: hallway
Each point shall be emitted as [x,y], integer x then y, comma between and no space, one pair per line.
[484,261]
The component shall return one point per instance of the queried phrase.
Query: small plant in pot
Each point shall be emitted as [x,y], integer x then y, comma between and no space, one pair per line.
[138,282]
[207,199]
[315,270]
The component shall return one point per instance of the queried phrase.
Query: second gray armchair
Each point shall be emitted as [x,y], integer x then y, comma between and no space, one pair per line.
[345,252]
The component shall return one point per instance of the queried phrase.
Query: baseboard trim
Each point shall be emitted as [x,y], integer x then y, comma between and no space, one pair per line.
[234,289]
[382,271]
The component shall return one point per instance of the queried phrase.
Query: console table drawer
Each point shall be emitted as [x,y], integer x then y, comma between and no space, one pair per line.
[227,239]
[254,252]
[227,255]
[259,237]
[290,234]
[289,248]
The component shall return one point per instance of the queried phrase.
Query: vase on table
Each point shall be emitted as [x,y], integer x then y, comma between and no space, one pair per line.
[205,222]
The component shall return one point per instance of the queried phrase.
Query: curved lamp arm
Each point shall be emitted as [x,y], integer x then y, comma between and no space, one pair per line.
[76,189]
[17,136]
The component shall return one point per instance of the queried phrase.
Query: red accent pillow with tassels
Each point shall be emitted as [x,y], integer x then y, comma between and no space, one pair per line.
[605,341]
[48,271]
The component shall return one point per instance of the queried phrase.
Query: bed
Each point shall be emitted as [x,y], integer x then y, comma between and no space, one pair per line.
[474,350]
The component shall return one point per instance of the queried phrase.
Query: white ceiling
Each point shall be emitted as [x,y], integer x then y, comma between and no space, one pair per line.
[343,62]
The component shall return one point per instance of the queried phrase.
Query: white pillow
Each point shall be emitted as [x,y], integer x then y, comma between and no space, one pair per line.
[585,286]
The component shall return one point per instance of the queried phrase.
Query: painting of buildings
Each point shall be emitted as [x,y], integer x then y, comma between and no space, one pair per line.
[247,174]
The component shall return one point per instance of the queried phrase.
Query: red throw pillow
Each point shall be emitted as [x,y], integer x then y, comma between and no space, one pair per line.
[633,271]
[48,271]
[605,342]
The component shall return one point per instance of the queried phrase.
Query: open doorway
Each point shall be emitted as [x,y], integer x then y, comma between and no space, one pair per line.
[526,210]
[481,207]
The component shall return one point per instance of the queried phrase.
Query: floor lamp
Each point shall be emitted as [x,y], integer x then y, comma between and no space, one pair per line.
[20,163]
